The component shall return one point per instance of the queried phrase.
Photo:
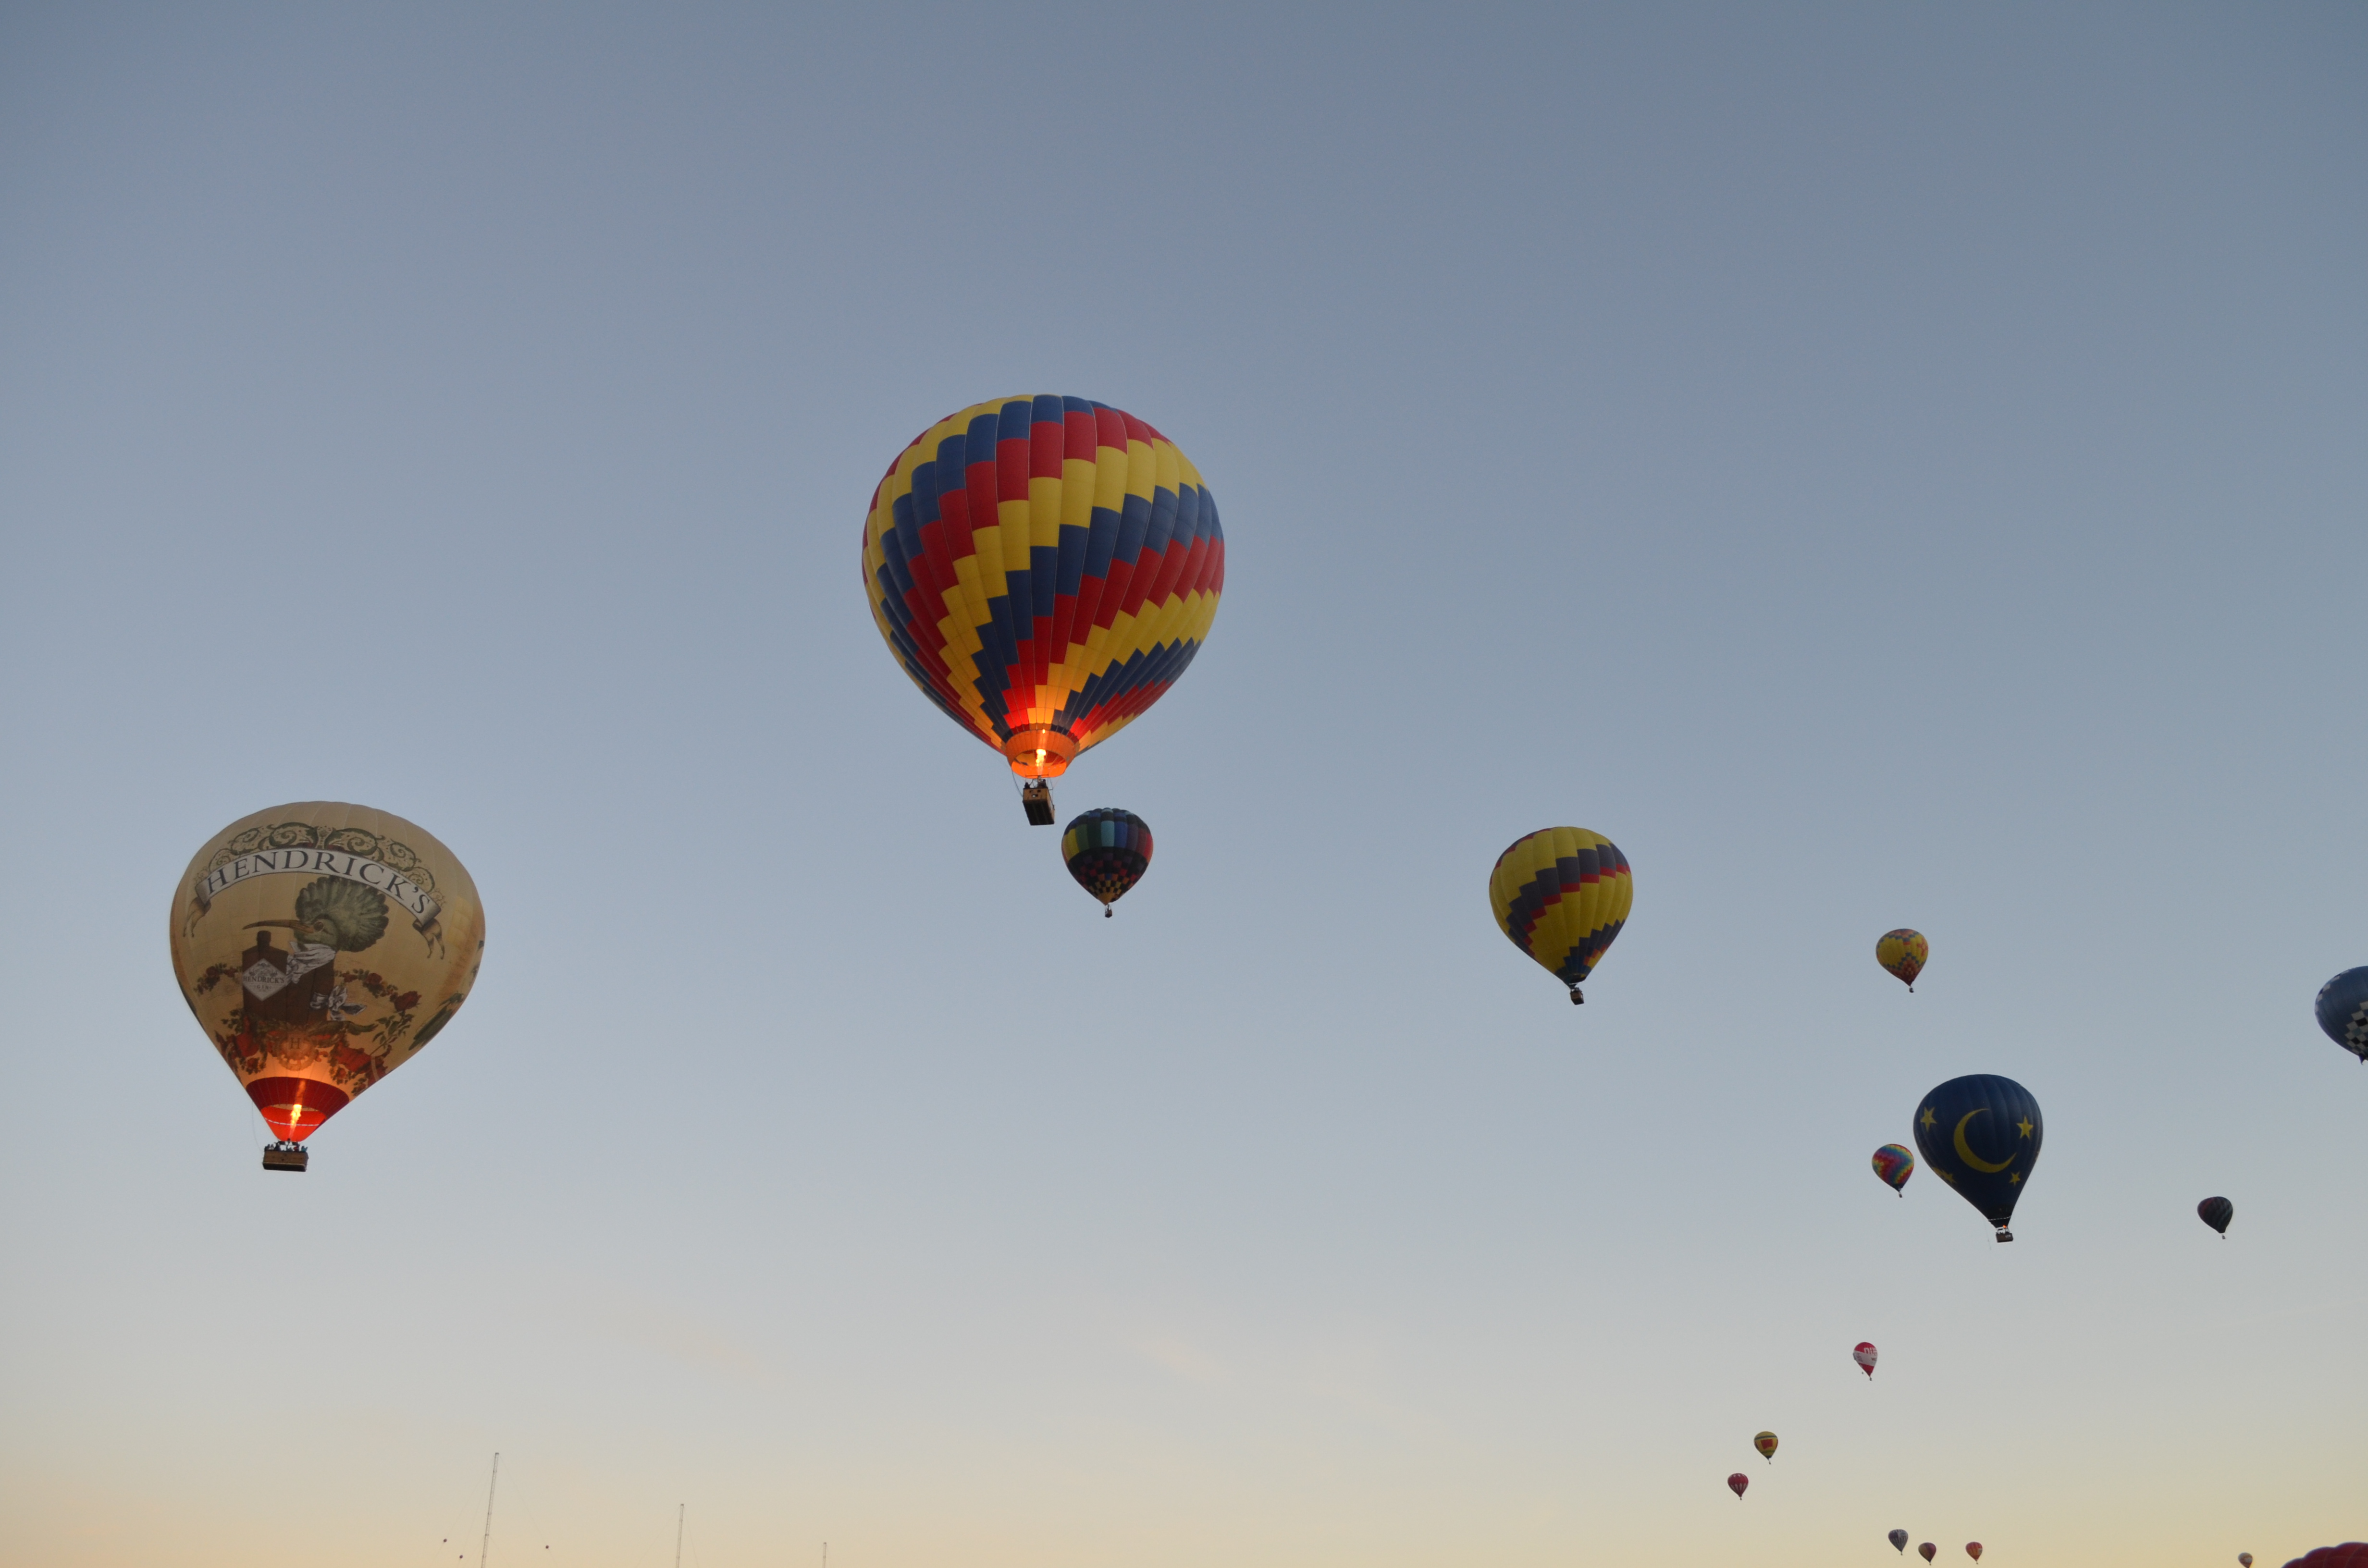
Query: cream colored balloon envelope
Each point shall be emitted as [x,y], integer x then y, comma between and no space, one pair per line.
[320,946]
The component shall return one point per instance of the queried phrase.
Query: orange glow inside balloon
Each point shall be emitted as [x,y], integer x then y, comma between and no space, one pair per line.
[1039,751]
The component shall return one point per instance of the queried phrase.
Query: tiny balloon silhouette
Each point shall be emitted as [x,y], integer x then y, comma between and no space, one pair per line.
[1737,1482]
[2216,1212]
[2244,1560]
[1899,1540]
[1895,1166]
[1864,1354]
[2343,1013]
[1925,1549]
[1973,1549]
[1766,1444]
[1903,953]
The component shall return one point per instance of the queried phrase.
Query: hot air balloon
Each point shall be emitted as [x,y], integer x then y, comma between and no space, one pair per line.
[1766,1444]
[1894,1165]
[1108,851]
[1973,1549]
[2350,1555]
[2343,1011]
[1043,568]
[1900,1541]
[383,935]
[2244,1560]
[1864,1354]
[1925,1549]
[1981,1134]
[2216,1212]
[1737,1482]
[1904,953]
[1561,895]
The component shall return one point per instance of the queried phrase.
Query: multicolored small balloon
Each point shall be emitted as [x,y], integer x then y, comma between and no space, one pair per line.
[1766,1444]
[1925,1549]
[1903,953]
[1973,1549]
[1108,850]
[1899,1543]
[1894,1165]
[1864,1354]
[2343,1011]
[2216,1212]
[1737,1482]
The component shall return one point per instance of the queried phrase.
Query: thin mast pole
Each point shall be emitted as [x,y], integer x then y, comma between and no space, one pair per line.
[490,1484]
[679,1508]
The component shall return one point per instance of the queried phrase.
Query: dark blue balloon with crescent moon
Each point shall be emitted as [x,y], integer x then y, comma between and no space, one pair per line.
[2343,1011]
[1981,1134]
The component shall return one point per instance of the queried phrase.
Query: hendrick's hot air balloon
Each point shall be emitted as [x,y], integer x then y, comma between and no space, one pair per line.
[320,946]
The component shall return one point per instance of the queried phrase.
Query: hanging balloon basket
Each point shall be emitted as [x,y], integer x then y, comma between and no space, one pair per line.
[286,1157]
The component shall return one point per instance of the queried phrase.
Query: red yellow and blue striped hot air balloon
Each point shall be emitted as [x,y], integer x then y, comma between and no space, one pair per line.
[1044,568]
[1560,895]
[1106,850]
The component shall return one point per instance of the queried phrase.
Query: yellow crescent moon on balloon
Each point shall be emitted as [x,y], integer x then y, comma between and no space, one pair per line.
[1966,1154]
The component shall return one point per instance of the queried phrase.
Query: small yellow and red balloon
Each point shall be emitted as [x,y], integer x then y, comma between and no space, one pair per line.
[1766,1444]
[1904,953]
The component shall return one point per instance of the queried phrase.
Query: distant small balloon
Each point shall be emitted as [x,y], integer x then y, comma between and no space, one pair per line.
[1894,1165]
[1766,1444]
[2244,1560]
[2216,1212]
[1925,1549]
[1904,953]
[1864,1354]
[2343,1011]
[1899,1544]
[1738,1480]
[1973,1549]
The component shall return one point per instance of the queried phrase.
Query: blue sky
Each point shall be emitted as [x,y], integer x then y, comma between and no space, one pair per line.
[1881,465]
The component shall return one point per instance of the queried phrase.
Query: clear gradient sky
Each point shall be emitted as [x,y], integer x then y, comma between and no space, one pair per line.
[1882,464]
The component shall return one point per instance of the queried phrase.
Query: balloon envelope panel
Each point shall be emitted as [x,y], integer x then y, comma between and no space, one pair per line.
[1106,850]
[2343,1011]
[1981,1134]
[1561,894]
[320,946]
[1043,563]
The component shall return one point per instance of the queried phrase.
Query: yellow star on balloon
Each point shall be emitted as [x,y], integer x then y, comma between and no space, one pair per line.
[2025,1125]
[1930,1120]
[2016,1178]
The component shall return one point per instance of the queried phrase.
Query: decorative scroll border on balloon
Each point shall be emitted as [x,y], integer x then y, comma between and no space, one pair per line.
[373,874]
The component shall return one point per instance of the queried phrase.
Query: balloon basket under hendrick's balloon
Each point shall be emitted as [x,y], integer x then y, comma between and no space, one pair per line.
[286,1157]
[1036,799]
[1576,999]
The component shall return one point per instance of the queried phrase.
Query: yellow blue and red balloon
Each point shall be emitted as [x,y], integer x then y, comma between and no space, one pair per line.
[1107,851]
[1766,1444]
[1895,1166]
[1561,894]
[1043,568]
[1904,953]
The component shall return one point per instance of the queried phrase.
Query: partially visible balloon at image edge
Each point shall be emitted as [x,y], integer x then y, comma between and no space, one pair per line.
[2342,1009]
